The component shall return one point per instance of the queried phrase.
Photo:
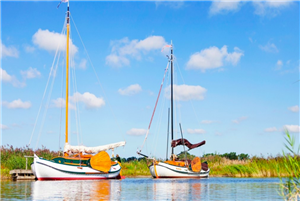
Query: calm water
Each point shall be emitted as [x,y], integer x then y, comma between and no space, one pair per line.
[144,189]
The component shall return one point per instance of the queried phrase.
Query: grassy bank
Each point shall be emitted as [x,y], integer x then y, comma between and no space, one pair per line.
[13,158]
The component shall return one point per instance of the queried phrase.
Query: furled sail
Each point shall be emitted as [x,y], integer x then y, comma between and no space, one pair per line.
[185,142]
[90,150]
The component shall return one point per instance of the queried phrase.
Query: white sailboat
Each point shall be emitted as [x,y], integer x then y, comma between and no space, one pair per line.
[174,168]
[78,162]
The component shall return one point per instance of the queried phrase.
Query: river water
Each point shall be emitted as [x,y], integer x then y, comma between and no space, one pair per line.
[144,189]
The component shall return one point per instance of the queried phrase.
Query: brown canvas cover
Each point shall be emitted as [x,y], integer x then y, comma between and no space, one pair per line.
[196,164]
[101,162]
[185,142]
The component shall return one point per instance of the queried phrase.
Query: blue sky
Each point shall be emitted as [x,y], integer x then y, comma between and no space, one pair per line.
[236,74]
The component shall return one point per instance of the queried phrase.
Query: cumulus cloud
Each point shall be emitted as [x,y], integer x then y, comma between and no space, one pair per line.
[3,127]
[269,47]
[122,50]
[239,120]
[186,92]
[136,131]
[51,41]
[29,48]
[279,65]
[117,60]
[61,103]
[10,51]
[6,78]
[224,6]
[213,57]
[130,90]
[88,99]
[267,8]
[294,108]
[270,8]
[272,129]
[82,64]
[292,128]
[17,104]
[172,4]
[31,73]
[195,131]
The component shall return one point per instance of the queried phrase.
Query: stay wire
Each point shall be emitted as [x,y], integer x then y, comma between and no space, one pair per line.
[44,94]
[114,116]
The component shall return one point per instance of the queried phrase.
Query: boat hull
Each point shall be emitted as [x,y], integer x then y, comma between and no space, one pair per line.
[48,170]
[165,170]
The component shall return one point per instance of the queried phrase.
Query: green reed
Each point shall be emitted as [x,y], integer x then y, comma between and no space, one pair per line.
[13,158]
[290,186]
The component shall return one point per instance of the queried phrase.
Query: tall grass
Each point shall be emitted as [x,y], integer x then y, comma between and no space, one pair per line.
[13,158]
[135,168]
[290,187]
[253,167]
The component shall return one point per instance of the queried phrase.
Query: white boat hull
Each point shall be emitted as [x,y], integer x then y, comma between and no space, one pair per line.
[165,170]
[47,170]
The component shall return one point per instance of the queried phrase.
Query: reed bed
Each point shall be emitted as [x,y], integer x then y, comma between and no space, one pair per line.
[253,167]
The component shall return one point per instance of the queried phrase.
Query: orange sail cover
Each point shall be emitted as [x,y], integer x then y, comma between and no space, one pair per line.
[101,162]
[196,164]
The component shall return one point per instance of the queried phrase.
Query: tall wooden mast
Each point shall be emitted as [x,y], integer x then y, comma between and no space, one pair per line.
[172,132]
[67,71]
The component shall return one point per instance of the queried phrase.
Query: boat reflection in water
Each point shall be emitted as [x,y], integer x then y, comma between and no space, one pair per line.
[174,189]
[76,190]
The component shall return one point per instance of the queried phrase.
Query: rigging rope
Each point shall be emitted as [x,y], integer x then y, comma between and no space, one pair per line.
[166,70]
[114,116]
[44,94]
[189,100]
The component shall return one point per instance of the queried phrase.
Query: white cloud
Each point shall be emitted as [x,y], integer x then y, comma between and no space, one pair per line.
[5,77]
[269,47]
[29,48]
[51,41]
[279,65]
[117,61]
[90,101]
[224,6]
[292,128]
[137,131]
[124,48]
[206,122]
[270,8]
[186,92]
[10,51]
[239,120]
[31,73]
[272,129]
[294,108]
[131,90]
[195,131]
[17,104]
[213,57]
[61,103]
[82,64]
[3,127]
[172,4]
